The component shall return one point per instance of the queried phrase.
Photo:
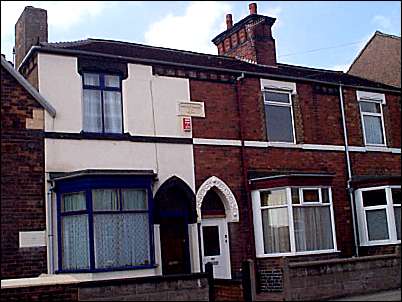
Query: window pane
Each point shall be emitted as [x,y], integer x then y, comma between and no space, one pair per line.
[105,200]
[134,199]
[313,228]
[75,242]
[377,224]
[273,198]
[91,79]
[121,240]
[275,226]
[373,129]
[295,196]
[370,107]
[210,236]
[311,195]
[112,81]
[112,111]
[92,111]
[277,97]
[397,213]
[73,202]
[374,198]
[325,195]
[396,196]
[279,123]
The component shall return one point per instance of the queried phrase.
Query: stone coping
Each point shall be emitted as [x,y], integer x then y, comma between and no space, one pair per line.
[90,278]
[342,260]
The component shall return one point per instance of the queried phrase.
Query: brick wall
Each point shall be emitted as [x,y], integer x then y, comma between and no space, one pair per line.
[228,290]
[178,288]
[22,181]
[318,280]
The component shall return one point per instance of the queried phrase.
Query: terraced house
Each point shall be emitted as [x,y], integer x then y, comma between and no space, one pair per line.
[158,161]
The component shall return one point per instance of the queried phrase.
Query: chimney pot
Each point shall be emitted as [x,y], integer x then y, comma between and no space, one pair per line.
[229,21]
[253,8]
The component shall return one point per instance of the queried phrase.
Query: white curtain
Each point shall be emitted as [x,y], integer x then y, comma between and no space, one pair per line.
[105,200]
[276,230]
[134,199]
[75,243]
[112,111]
[377,224]
[73,202]
[121,240]
[373,129]
[313,228]
[92,111]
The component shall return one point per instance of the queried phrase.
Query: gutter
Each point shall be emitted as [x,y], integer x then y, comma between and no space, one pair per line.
[50,229]
[349,171]
[153,61]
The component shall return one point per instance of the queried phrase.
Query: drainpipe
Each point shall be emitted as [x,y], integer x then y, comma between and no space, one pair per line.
[50,228]
[244,163]
[349,168]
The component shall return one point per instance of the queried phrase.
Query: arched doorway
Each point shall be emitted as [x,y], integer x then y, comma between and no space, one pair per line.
[216,206]
[174,209]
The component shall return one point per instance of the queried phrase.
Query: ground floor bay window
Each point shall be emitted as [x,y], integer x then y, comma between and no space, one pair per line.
[379,215]
[293,221]
[104,224]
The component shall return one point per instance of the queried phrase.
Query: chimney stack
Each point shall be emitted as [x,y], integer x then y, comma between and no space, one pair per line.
[250,39]
[30,29]
[229,21]
[253,8]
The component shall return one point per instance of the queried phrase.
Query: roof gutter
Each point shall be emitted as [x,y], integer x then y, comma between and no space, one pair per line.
[153,61]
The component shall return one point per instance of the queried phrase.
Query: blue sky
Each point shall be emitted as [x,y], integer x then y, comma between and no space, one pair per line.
[312,33]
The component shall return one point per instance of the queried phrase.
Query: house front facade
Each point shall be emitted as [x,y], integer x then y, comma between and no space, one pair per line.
[158,161]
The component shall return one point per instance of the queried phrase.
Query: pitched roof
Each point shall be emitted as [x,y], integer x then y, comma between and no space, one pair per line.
[134,51]
[28,87]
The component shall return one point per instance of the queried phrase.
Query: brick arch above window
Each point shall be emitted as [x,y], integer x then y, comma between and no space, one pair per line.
[226,195]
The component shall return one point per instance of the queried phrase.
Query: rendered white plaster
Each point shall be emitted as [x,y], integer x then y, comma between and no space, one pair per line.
[61,85]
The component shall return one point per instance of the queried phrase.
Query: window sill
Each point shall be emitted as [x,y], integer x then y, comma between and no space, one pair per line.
[379,243]
[107,270]
[295,254]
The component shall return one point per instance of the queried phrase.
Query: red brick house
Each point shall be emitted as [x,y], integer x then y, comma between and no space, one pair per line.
[236,156]
[379,60]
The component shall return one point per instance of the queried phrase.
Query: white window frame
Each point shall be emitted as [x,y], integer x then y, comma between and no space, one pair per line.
[389,209]
[273,103]
[381,115]
[258,228]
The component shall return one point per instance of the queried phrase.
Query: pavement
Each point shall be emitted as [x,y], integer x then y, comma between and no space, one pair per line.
[388,295]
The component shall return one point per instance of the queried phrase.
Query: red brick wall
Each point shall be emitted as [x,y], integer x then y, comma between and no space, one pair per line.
[22,182]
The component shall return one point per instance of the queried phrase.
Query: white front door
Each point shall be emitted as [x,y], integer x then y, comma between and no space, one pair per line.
[215,246]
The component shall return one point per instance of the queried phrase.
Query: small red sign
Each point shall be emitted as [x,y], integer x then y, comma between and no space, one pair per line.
[186,124]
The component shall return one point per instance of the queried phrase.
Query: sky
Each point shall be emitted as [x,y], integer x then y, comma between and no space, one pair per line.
[315,34]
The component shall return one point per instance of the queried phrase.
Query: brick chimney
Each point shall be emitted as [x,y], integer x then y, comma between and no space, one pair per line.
[249,39]
[30,29]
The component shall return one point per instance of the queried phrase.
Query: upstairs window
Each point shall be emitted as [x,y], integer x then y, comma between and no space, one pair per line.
[102,104]
[279,116]
[372,122]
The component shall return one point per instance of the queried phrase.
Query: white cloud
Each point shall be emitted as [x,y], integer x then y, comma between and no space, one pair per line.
[383,22]
[191,31]
[340,67]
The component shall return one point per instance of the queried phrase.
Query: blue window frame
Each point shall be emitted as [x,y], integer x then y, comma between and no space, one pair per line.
[102,103]
[105,223]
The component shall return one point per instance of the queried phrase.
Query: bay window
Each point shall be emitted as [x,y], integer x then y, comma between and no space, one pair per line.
[293,220]
[379,215]
[104,226]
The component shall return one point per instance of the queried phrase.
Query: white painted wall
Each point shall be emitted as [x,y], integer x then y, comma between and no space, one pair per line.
[61,86]
[147,99]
